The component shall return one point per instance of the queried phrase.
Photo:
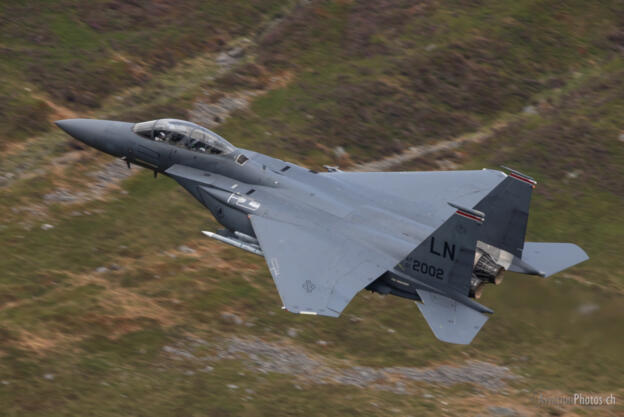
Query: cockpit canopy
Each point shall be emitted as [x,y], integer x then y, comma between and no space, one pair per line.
[184,134]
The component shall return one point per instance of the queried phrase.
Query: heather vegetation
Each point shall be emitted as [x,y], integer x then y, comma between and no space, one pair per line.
[111,301]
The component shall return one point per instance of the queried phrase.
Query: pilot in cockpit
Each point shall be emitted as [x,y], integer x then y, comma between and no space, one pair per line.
[160,136]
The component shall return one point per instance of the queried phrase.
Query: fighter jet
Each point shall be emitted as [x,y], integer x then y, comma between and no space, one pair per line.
[434,237]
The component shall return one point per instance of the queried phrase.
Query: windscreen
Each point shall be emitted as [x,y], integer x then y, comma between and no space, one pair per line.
[185,134]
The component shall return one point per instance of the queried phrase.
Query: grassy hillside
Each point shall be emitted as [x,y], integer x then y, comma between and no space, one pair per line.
[75,54]
[111,302]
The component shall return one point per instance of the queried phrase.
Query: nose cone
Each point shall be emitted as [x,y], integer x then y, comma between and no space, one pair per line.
[105,135]
[81,129]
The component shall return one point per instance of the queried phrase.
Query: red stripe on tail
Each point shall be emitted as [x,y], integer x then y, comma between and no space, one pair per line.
[470,216]
[527,180]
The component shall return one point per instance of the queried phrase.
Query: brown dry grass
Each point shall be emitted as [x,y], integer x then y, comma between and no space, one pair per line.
[43,341]
[124,308]
[58,110]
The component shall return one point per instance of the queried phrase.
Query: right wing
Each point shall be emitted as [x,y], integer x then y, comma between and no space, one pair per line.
[316,271]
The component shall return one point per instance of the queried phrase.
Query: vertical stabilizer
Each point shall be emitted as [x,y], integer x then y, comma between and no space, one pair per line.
[446,257]
[445,261]
[507,211]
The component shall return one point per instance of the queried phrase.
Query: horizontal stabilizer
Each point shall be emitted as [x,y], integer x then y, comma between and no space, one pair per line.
[450,320]
[545,259]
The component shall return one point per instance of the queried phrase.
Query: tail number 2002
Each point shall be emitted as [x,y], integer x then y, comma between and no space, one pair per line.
[427,269]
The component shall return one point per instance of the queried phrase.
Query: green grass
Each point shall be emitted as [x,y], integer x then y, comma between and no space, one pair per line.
[79,54]
[365,77]
[452,71]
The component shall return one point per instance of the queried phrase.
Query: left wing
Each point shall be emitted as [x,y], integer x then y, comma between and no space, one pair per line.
[423,195]
[316,271]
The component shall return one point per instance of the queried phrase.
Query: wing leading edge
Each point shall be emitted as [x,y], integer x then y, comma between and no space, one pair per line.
[316,271]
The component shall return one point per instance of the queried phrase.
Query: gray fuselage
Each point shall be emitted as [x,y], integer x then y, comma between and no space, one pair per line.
[232,188]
